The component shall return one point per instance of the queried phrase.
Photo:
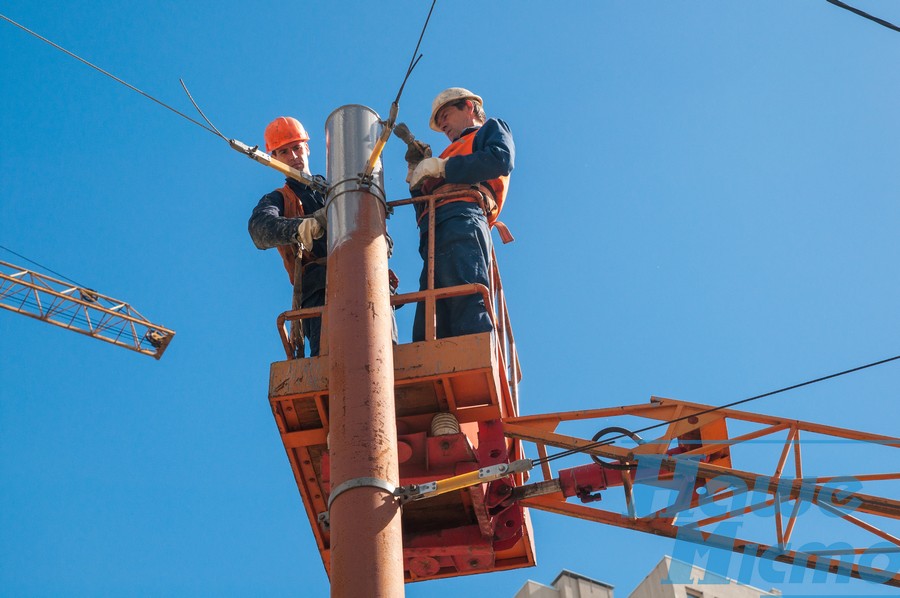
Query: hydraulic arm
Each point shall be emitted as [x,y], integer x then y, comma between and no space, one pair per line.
[683,485]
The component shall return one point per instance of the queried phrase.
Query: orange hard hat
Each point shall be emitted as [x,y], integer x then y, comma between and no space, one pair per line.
[284,130]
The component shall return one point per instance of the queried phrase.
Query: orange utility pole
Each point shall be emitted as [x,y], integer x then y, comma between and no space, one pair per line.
[366,539]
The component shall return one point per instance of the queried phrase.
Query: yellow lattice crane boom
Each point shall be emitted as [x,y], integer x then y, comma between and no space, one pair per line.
[80,310]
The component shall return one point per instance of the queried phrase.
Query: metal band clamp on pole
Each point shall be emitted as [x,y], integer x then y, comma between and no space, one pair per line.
[360,483]
[346,186]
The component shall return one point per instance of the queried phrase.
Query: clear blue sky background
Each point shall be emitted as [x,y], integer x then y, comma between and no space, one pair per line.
[705,203]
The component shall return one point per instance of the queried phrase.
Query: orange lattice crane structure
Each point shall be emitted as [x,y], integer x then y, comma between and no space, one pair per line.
[446,460]
[80,310]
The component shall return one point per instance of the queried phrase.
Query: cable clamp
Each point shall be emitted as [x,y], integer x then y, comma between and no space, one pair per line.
[340,188]
[360,483]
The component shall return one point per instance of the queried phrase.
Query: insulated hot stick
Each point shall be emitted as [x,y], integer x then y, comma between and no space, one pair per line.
[266,160]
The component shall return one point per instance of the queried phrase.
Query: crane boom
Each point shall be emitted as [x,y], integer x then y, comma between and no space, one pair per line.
[80,310]
[688,471]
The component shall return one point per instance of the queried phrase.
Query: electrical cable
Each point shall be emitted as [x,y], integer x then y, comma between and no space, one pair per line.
[111,76]
[713,409]
[75,282]
[366,174]
[413,61]
[252,152]
[191,98]
[865,15]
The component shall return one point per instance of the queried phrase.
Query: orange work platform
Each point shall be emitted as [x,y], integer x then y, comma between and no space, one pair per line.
[452,534]
[450,398]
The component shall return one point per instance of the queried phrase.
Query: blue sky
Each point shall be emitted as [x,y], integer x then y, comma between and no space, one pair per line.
[705,203]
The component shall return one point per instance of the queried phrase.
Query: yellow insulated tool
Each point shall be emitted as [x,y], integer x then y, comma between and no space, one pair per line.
[379,145]
[265,159]
[481,476]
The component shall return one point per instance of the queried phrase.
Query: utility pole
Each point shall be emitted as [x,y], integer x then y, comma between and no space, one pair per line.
[366,540]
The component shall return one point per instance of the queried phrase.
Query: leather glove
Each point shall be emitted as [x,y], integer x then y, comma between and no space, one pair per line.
[429,168]
[416,152]
[321,218]
[308,231]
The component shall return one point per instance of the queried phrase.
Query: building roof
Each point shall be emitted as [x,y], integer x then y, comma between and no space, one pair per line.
[567,573]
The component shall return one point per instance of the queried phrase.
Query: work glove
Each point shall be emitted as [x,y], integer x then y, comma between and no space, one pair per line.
[416,152]
[429,168]
[308,231]
[321,218]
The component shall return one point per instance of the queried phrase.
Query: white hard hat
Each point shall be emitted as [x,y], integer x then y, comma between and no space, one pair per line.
[447,96]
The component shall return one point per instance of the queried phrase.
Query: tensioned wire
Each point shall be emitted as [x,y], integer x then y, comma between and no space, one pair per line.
[610,441]
[75,282]
[108,74]
[211,128]
[863,14]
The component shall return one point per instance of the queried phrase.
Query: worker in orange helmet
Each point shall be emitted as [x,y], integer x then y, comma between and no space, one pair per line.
[292,219]
[481,155]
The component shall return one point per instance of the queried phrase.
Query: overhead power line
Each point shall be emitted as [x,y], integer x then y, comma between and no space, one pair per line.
[863,14]
[110,75]
[609,441]
[75,282]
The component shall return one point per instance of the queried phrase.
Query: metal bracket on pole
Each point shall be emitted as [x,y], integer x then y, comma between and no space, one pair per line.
[339,188]
[325,519]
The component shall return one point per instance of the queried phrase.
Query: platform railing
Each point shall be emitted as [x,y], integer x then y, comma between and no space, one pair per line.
[494,298]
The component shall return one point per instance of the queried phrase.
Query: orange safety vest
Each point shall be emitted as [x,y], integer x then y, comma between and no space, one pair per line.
[293,208]
[498,187]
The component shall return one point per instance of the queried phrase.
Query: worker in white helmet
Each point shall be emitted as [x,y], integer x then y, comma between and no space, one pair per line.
[481,155]
[292,219]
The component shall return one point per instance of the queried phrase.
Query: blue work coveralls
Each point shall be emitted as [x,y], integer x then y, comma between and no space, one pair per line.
[462,241]
[269,228]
